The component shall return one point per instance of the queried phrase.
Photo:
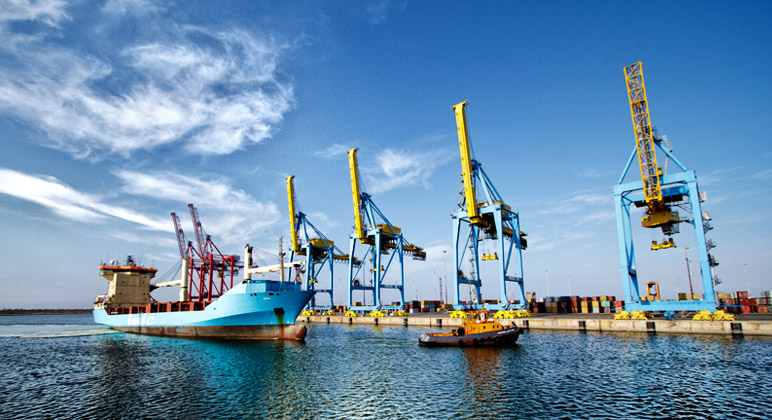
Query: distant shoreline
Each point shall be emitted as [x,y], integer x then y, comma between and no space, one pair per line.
[4,312]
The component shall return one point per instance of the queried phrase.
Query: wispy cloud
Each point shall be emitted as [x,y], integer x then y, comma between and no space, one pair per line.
[210,92]
[576,203]
[765,174]
[596,217]
[229,214]
[591,173]
[379,10]
[121,7]
[333,151]
[395,169]
[67,202]
[49,12]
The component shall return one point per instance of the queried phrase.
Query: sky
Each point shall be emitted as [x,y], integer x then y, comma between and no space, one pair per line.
[113,114]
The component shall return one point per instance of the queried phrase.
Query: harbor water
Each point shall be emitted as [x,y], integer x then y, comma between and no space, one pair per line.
[67,367]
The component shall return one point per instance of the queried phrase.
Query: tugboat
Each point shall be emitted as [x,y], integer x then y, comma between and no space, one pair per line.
[477,330]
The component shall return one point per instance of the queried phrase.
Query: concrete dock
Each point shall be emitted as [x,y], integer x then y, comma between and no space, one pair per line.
[599,323]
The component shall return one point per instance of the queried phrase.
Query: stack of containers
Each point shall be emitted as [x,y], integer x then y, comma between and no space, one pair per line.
[619,305]
[537,307]
[765,302]
[575,304]
[741,298]
[430,305]
[564,305]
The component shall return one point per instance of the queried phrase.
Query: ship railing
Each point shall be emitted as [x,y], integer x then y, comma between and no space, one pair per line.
[156,307]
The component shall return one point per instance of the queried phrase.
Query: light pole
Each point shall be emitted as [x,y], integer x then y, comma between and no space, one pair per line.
[747,280]
[689,273]
[434,276]
[445,263]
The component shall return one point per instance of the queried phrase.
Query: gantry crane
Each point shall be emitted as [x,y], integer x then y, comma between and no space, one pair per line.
[373,230]
[659,193]
[318,250]
[484,218]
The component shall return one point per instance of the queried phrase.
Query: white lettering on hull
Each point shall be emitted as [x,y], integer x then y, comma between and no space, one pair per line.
[140,320]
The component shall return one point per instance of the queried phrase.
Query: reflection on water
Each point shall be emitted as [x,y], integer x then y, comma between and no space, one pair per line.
[368,372]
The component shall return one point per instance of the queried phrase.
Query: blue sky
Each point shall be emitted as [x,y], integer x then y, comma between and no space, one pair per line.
[115,113]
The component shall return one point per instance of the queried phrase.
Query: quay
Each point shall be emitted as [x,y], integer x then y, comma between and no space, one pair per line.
[745,325]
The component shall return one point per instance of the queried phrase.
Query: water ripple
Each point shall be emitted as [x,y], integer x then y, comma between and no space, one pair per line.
[365,372]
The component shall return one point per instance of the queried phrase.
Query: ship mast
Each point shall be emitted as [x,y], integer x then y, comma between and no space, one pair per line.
[281,258]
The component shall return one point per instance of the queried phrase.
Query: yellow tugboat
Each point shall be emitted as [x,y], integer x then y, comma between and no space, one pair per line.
[478,330]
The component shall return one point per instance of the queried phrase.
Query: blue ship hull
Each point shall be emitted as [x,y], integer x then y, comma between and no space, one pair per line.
[252,309]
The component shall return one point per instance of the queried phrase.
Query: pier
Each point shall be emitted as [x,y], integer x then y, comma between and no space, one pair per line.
[598,323]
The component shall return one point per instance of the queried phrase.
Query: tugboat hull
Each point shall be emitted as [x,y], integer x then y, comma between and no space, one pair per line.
[505,337]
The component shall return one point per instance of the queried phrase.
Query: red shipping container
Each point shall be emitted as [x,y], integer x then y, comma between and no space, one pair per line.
[742,295]
[745,309]
[763,309]
[753,301]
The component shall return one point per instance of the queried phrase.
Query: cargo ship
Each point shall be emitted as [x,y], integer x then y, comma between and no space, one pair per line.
[252,309]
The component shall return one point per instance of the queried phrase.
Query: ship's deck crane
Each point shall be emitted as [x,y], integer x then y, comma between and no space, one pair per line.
[202,264]
[381,237]
[318,249]
[658,192]
[481,219]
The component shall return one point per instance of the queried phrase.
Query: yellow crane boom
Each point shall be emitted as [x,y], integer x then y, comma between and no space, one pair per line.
[356,195]
[644,138]
[658,213]
[466,164]
[292,216]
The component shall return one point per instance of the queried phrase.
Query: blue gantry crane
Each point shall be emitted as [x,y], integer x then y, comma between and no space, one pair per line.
[319,251]
[659,194]
[383,242]
[483,219]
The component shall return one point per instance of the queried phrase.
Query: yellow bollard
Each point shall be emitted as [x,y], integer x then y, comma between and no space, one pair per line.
[622,315]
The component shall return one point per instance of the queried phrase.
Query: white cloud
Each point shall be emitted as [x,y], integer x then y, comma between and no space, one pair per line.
[212,92]
[597,217]
[333,151]
[49,12]
[68,202]
[591,173]
[577,202]
[401,168]
[591,198]
[379,10]
[231,216]
[141,7]
[765,174]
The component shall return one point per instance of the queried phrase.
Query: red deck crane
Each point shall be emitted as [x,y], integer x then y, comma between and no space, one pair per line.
[209,272]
